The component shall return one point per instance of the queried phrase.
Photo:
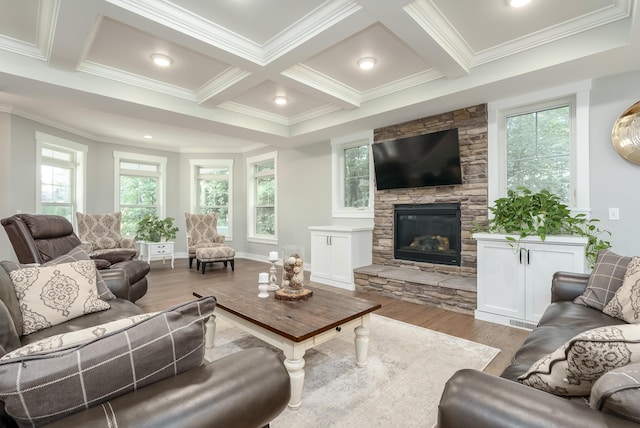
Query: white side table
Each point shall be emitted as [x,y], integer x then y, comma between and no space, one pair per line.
[156,249]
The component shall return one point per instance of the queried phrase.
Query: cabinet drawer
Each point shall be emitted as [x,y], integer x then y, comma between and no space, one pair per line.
[158,250]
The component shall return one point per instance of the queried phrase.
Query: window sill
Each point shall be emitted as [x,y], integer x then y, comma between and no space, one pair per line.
[353,214]
[262,240]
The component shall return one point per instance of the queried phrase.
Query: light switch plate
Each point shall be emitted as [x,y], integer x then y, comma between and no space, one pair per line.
[614,214]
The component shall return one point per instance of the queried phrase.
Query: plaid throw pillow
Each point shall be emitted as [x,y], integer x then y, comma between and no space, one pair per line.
[604,281]
[38,389]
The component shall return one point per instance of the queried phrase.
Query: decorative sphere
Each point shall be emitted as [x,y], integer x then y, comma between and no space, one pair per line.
[297,269]
[292,260]
[299,262]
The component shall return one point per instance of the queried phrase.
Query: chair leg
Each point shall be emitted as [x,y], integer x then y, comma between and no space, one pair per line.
[203,266]
[190,262]
[232,267]
[197,264]
[225,264]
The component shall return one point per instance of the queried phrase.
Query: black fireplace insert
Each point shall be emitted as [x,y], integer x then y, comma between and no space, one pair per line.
[427,233]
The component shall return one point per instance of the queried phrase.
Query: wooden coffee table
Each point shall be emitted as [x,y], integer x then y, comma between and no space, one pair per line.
[292,326]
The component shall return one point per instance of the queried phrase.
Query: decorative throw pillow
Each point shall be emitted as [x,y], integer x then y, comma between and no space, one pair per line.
[102,231]
[72,339]
[618,392]
[572,369]
[51,295]
[604,281]
[625,304]
[92,373]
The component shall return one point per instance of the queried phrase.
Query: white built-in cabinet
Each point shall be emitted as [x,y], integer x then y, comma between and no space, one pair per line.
[336,251]
[514,282]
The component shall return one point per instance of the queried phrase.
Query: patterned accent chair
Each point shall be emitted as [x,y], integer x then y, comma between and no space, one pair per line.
[100,233]
[202,232]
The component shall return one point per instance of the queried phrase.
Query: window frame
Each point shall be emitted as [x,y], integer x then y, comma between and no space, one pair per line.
[338,146]
[80,151]
[119,156]
[251,162]
[194,164]
[577,95]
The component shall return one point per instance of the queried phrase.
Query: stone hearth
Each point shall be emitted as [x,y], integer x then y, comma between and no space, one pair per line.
[446,286]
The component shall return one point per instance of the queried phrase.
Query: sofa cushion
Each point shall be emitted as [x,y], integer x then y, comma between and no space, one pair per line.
[605,279]
[618,392]
[9,298]
[625,304]
[9,338]
[572,369]
[40,388]
[50,295]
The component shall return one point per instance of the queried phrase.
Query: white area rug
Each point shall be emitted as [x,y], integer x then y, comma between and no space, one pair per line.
[400,387]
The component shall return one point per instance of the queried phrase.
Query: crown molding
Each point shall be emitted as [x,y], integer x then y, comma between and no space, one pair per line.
[135,80]
[254,112]
[330,86]
[402,84]
[223,81]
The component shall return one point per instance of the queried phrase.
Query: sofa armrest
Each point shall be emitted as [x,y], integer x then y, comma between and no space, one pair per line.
[476,399]
[246,389]
[117,281]
[566,286]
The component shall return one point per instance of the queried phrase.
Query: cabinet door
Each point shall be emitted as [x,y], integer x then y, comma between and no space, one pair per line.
[340,247]
[542,262]
[500,280]
[320,254]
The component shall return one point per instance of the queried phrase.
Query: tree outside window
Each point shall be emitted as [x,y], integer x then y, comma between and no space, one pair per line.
[539,151]
[265,198]
[213,193]
[356,176]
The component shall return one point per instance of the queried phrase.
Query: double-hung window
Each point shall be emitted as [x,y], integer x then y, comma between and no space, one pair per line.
[140,188]
[540,142]
[212,191]
[262,201]
[61,176]
[352,173]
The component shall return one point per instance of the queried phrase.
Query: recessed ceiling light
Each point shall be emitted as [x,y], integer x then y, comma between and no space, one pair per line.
[161,60]
[281,100]
[517,3]
[148,137]
[366,63]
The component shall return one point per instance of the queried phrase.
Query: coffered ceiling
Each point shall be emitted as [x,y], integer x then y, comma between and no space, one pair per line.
[85,65]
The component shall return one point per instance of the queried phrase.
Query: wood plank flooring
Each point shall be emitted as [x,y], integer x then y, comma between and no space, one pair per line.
[168,287]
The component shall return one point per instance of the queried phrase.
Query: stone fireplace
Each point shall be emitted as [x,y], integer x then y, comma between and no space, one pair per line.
[427,233]
[434,282]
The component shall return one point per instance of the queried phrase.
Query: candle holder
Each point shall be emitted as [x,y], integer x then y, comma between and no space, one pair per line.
[273,279]
[263,285]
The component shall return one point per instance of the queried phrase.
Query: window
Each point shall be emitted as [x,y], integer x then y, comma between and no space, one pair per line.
[139,184]
[262,190]
[61,176]
[352,193]
[540,141]
[212,191]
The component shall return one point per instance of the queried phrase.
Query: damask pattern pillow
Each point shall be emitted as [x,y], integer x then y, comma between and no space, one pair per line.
[625,304]
[101,230]
[106,367]
[605,279]
[51,295]
[572,369]
[618,392]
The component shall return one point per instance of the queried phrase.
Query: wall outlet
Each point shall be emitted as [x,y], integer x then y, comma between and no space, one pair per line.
[614,214]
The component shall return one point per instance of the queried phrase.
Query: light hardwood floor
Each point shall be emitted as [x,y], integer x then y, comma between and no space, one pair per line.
[168,287]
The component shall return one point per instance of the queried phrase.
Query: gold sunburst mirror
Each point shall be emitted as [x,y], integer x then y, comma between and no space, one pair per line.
[625,135]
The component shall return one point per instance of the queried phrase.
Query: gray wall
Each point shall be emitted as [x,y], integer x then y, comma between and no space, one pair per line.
[613,179]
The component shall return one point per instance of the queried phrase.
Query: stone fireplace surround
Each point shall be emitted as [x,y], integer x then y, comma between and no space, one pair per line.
[445,286]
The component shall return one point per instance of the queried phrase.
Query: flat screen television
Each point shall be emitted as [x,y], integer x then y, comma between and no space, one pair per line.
[424,160]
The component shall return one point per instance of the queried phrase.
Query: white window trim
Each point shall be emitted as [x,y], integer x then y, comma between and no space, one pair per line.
[338,145]
[81,150]
[251,235]
[193,202]
[162,191]
[580,150]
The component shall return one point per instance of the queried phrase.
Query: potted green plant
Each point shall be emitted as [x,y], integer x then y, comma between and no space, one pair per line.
[524,213]
[153,229]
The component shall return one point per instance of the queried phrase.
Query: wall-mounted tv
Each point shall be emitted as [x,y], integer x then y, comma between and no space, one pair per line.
[424,160]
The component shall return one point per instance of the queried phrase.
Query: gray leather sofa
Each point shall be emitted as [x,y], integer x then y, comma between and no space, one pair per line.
[476,399]
[246,389]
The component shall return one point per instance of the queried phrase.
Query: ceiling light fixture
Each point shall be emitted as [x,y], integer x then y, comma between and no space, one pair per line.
[517,3]
[161,60]
[281,100]
[366,63]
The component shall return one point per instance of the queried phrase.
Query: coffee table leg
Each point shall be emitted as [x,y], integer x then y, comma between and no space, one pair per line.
[210,335]
[362,342]
[294,364]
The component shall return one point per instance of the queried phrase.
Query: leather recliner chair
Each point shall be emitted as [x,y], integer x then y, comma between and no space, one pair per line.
[38,238]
